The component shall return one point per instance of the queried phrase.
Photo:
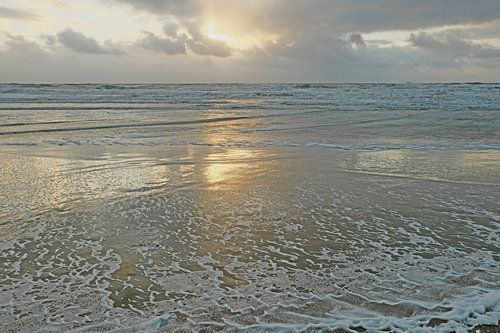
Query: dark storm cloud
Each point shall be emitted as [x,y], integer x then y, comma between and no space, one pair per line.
[19,14]
[80,43]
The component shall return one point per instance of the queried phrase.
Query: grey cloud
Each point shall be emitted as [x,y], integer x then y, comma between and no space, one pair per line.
[170,29]
[49,39]
[80,43]
[450,43]
[19,14]
[302,27]
[178,7]
[341,16]
[22,46]
[207,46]
[409,14]
[319,48]
[477,31]
[175,43]
[199,44]
[155,43]
[426,41]
[314,40]
[357,40]
[25,61]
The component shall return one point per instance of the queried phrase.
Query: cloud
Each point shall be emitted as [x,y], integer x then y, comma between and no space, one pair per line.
[175,43]
[177,7]
[78,42]
[155,43]
[340,16]
[201,44]
[50,40]
[290,28]
[261,40]
[21,46]
[171,29]
[357,40]
[18,14]
[24,60]
[211,47]
[450,43]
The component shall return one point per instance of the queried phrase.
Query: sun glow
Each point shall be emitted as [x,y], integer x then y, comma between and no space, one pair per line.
[236,33]
[240,42]
[212,34]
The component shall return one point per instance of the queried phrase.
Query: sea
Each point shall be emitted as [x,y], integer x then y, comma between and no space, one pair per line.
[250,207]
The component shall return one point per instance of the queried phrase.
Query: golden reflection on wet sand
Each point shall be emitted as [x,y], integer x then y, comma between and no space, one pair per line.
[227,189]
[229,176]
[228,164]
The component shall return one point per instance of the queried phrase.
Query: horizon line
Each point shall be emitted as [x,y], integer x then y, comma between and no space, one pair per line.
[244,83]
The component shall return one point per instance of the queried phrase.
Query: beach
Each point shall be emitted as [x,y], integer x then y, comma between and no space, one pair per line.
[220,208]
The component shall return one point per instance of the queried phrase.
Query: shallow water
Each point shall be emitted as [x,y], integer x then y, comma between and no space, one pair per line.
[249,207]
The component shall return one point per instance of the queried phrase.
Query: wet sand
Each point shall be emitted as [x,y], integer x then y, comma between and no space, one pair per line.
[199,238]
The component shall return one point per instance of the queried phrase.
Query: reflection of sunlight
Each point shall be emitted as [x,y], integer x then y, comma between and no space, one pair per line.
[237,170]
[219,172]
[226,165]
[480,159]
[387,159]
[60,182]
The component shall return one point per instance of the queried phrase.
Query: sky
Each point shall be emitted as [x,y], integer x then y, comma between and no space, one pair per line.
[189,41]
